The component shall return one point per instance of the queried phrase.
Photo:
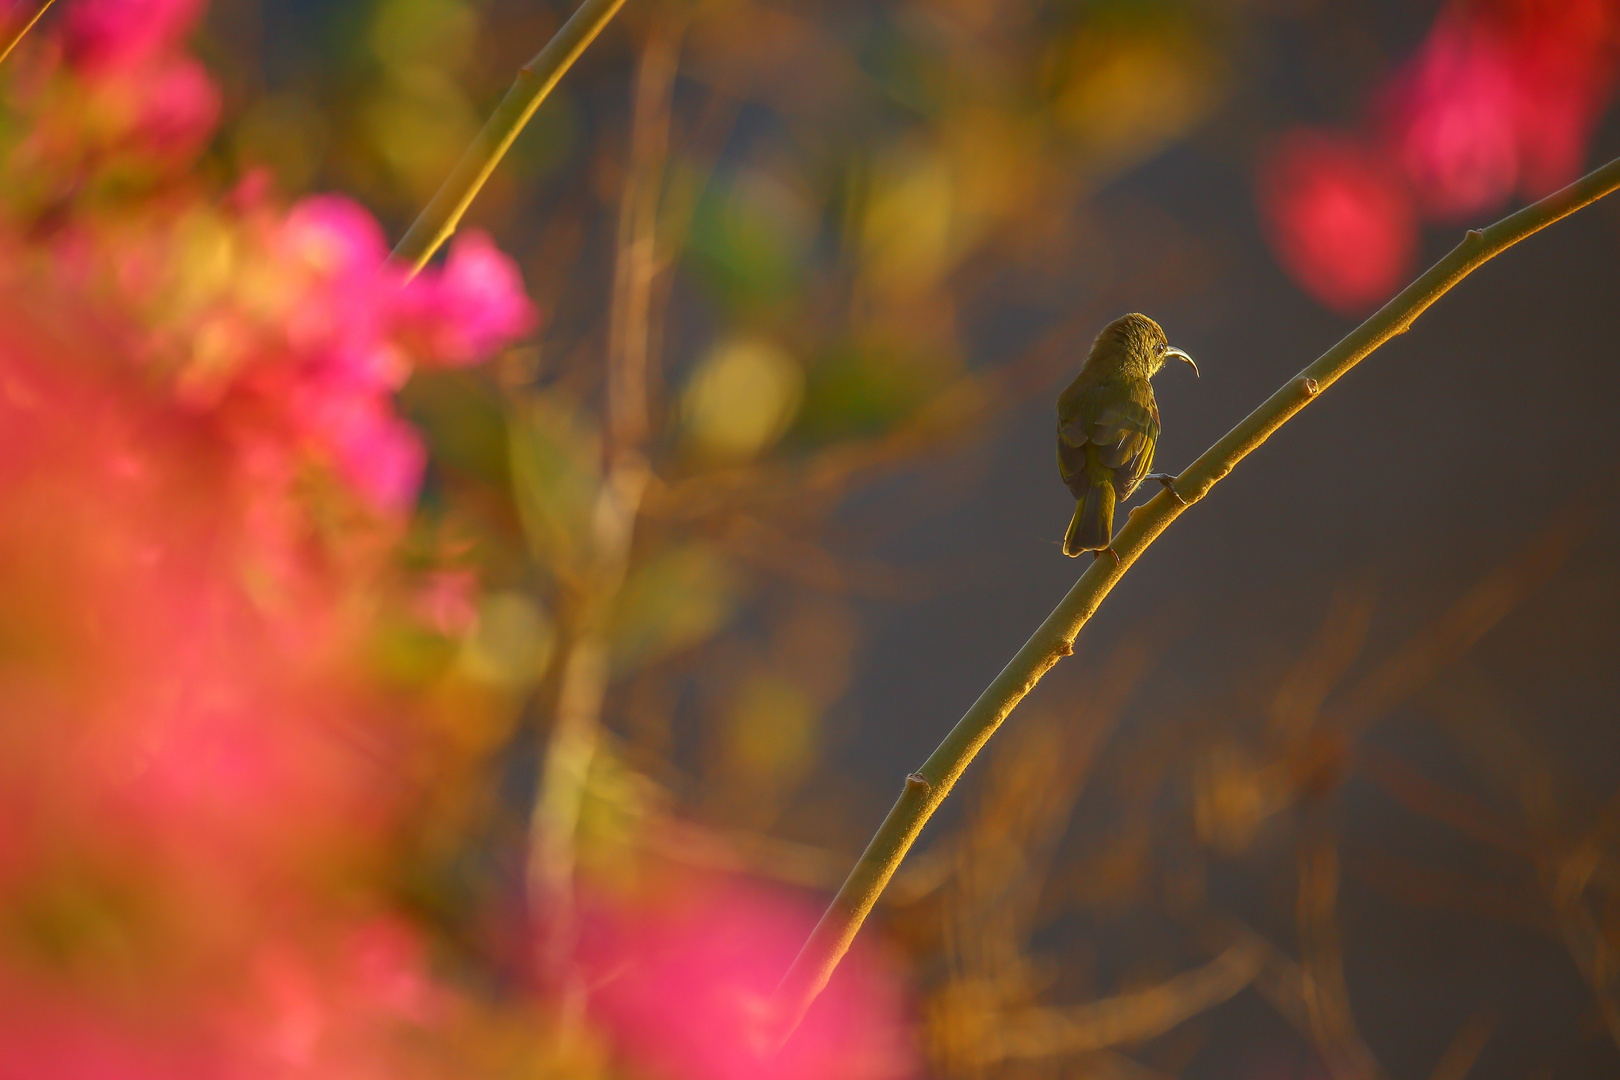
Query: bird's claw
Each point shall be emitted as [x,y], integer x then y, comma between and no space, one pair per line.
[1169,483]
[1108,551]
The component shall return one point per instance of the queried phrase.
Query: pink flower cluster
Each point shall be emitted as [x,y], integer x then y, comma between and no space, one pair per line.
[1500,99]
[203,482]
[134,91]
[204,777]
[290,326]
[296,329]
[196,766]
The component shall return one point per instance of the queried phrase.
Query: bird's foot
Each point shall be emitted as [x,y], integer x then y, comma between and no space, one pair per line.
[1107,551]
[1169,483]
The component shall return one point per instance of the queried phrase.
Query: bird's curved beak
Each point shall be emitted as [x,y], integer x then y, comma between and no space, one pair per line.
[1173,351]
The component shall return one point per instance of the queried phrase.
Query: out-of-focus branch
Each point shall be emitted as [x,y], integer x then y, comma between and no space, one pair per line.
[1568,867]
[1126,1018]
[1458,1060]
[1420,794]
[19,20]
[1326,998]
[1001,859]
[1568,877]
[535,80]
[925,789]
[571,747]
[1288,985]
[1448,638]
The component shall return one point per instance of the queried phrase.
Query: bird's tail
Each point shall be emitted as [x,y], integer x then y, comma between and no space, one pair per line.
[1093,524]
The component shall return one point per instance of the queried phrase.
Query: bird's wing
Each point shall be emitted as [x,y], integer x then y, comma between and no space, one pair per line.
[1124,426]
[1072,465]
[1072,439]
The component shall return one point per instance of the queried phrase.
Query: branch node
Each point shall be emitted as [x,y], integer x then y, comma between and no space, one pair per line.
[1065,647]
[1311,388]
[1476,235]
[918,783]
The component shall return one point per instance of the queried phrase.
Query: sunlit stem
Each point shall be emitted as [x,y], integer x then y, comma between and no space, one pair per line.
[534,81]
[926,788]
[19,20]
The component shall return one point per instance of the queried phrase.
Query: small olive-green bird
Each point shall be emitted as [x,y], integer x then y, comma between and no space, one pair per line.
[1108,425]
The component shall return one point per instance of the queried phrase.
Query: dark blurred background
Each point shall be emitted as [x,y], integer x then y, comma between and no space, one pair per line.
[1344,742]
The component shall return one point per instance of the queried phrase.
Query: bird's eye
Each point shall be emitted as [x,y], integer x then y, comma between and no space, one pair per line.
[1160,347]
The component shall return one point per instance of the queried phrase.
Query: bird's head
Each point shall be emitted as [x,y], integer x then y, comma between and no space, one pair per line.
[1135,341]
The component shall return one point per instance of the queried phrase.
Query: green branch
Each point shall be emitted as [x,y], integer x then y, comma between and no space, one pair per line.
[18,22]
[534,81]
[927,787]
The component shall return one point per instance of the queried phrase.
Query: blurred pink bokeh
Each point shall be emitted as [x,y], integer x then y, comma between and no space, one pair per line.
[682,985]
[1341,223]
[205,492]
[1500,100]
[203,485]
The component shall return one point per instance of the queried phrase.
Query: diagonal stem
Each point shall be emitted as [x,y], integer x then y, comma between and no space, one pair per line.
[18,21]
[438,220]
[926,788]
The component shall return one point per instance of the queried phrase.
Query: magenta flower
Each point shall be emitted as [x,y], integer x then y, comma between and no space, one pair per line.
[195,744]
[377,453]
[1340,223]
[204,482]
[1501,98]
[335,238]
[98,35]
[1455,124]
[176,107]
[682,979]
[473,306]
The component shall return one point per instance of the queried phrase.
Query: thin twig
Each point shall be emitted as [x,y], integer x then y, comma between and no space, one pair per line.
[18,23]
[926,788]
[1448,638]
[1326,997]
[1458,1060]
[534,81]
[1045,1032]
[572,745]
[1566,877]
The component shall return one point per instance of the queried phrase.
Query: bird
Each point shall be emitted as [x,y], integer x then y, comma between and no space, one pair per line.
[1108,426]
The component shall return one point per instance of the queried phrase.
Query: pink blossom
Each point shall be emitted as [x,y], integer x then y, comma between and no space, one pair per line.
[1339,222]
[176,107]
[102,34]
[119,92]
[682,984]
[1501,98]
[300,340]
[193,739]
[1455,120]
[204,486]
[1567,53]
[334,238]
[462,314]
[375,451]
